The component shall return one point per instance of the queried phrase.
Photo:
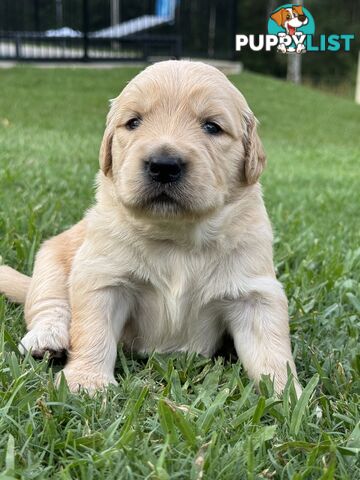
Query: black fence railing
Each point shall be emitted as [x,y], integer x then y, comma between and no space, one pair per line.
[94,30]
[21,46]
[85,30]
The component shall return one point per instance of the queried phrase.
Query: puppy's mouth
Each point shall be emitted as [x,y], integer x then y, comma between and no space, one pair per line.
[291,30]
[163,199]
[168,200]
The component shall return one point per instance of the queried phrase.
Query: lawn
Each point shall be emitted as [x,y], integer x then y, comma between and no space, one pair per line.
[181,416]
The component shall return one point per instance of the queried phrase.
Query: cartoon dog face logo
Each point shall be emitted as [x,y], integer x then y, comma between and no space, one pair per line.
[290,19]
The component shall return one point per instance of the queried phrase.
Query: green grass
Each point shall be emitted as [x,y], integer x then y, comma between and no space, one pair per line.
[181,416]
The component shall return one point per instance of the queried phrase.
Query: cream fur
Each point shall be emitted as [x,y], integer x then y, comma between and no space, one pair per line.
[161,277]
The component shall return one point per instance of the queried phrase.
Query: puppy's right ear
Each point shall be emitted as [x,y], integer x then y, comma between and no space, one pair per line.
[255,157]
[105,158]
[278,16]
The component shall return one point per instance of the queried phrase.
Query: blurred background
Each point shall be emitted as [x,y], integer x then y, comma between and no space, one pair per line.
[148,30]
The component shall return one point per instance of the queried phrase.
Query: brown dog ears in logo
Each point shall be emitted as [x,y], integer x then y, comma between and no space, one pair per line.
[298,9]
[280,15]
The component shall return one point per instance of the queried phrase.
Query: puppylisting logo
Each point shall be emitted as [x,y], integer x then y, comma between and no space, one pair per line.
[291,29]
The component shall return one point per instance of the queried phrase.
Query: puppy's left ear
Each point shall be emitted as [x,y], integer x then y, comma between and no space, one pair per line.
[278,16]
[298,9]
[255,158]
[105,157]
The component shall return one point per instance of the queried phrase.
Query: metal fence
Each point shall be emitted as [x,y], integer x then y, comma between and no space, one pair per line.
[115,30]
[32,47]
[69,31]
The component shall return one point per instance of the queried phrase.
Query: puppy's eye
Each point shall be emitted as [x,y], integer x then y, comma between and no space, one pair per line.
[133,123]
[211,128]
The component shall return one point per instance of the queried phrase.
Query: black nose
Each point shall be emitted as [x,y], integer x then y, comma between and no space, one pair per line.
[302,18]
[164,168]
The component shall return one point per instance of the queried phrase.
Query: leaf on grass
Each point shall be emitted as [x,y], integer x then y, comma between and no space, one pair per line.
[301,405]
[269,402]
[208,417]
[173,416]
[131,412]
[263,435]
[10,454]
[353,444]
[259,411]
[354,301]
[245,395]
[9,340]
[329,469]
[309,306]
[307,446]
[349,451]
[166,420]
[94,441]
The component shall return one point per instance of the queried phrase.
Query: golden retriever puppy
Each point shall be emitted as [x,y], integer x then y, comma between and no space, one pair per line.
[178,247]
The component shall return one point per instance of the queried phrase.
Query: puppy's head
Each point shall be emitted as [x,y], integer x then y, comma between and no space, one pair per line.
[180,140]
[290,18]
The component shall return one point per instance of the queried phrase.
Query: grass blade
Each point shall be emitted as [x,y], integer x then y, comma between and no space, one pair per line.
[10,454]
[301,405]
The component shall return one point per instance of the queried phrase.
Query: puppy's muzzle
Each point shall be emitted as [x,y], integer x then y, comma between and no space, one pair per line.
[164,168]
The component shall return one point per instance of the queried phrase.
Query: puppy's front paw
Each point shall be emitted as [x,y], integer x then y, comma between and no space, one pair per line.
[90,381]
[300,48]
[42,339]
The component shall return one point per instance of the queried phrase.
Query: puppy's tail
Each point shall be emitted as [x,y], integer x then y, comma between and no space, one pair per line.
[13,284]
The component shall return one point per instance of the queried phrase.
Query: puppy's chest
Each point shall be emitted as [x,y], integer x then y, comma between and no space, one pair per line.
[183,284]
[176,287]
[171,303]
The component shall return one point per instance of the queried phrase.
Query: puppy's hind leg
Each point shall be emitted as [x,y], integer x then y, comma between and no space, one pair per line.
[47,309]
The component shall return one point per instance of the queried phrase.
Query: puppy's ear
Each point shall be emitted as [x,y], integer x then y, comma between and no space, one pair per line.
[105,157]
[255,158]
[278,16]
[298,9]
